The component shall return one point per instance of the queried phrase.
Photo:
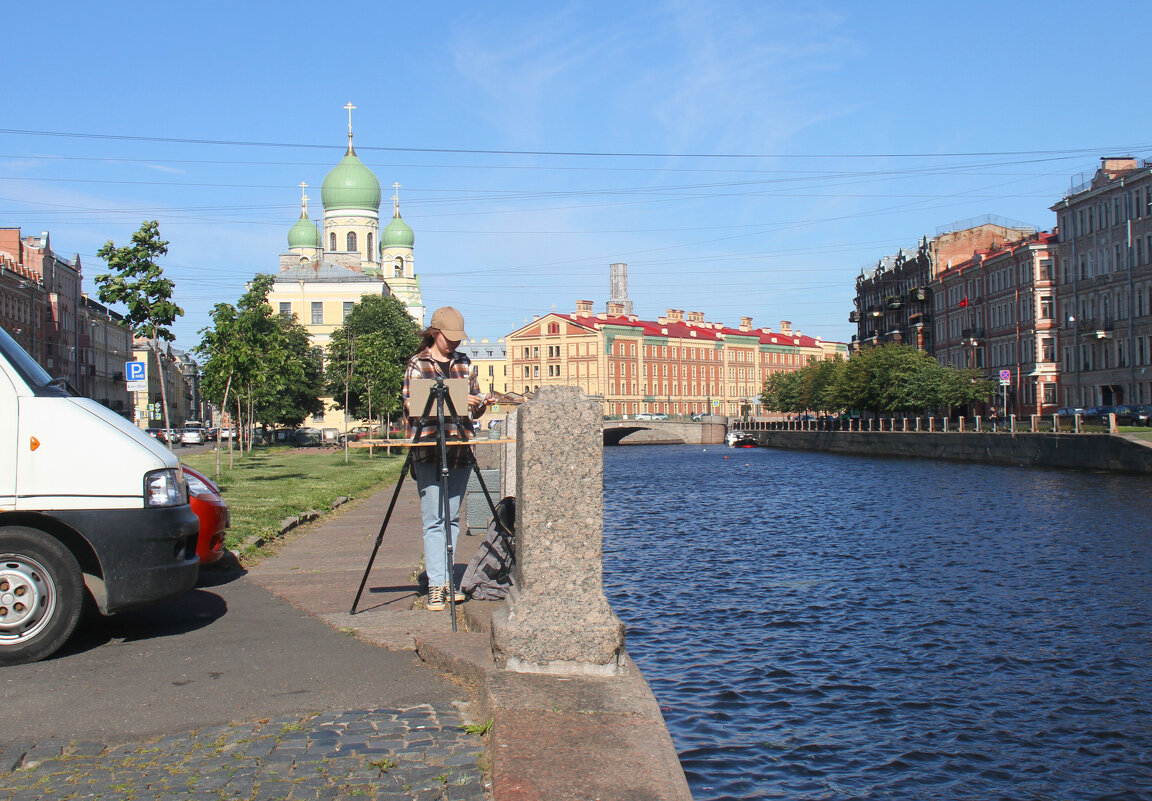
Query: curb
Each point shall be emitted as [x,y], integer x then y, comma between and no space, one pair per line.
[561,738]
[287,524]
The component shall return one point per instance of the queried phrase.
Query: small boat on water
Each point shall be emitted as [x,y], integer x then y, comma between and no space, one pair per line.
[741,439]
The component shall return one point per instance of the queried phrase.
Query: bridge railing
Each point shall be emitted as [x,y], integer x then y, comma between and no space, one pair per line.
[937,424]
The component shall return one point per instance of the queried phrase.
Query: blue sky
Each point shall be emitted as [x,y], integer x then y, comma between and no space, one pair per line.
[744,158]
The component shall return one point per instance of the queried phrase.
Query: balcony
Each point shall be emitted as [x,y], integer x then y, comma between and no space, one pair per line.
[875,311]
[853,316]
[919,318]
[918,294]
[971,336]
[1095,329]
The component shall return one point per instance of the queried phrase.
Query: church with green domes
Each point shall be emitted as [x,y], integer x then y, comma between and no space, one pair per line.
[328,268]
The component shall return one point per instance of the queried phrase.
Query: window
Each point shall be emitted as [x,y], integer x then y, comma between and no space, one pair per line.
[285,309]
[351,239]
[317,312]
[347,309]
[332,241]
[398,267]
[370,254]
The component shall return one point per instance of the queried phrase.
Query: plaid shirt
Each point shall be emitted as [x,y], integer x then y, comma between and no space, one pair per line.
[423,366]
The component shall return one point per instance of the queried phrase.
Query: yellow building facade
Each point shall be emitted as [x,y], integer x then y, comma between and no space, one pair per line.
[678,364]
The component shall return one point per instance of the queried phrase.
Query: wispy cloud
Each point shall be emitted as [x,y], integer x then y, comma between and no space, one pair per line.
[683,75]
[166,168]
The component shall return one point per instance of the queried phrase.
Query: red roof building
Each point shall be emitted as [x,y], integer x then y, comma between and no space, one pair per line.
[678,364]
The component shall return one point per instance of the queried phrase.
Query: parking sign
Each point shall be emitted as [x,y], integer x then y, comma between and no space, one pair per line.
[1005,377]
[136,376]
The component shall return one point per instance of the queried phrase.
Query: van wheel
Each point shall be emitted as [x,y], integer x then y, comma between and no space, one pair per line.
[41,594]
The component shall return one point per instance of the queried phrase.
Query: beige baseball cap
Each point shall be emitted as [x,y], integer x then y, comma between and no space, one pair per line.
[449,322]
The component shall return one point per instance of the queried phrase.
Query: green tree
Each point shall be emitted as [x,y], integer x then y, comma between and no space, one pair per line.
[266,360]
[137,282]
[367,356]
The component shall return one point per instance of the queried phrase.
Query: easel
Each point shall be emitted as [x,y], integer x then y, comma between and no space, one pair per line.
[439,395]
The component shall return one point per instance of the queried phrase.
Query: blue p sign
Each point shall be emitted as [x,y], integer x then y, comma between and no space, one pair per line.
[134,371]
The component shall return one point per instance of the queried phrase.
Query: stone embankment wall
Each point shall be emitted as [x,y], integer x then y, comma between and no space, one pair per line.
[1081,451]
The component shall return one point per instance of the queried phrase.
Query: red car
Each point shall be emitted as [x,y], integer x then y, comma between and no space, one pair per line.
[204,496]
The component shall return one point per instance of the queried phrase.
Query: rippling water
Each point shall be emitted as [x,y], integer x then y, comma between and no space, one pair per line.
[830,627]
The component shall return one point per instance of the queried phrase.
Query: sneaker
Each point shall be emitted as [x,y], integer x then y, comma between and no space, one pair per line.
[435,600]
[458,596]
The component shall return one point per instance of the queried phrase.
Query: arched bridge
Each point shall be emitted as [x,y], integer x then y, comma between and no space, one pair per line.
[645,432]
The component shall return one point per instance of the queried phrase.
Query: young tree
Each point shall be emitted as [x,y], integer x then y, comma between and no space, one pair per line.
[370,371]
[265,359]
[138,282]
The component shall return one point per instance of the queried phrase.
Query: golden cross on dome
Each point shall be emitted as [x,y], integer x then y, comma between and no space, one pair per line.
[303,199]
[396,200]
[349,106]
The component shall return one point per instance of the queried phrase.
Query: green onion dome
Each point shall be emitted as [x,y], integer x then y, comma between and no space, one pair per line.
[350,185]
[397,234]
[304,234]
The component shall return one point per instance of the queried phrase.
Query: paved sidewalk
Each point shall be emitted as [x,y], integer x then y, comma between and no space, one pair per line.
[393,748]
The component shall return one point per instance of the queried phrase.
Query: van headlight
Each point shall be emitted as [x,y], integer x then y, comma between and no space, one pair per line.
[165,488]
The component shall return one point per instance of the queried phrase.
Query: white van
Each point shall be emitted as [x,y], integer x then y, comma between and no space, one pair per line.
[88,502]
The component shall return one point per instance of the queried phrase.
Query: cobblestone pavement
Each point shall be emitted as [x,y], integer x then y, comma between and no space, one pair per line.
[418,753]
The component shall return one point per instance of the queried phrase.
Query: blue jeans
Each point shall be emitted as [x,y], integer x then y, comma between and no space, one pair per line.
[428,483]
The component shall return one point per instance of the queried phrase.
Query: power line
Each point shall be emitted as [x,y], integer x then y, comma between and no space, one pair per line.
[571,153]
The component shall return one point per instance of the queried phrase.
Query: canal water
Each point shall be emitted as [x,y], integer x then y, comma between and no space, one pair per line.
[832,627]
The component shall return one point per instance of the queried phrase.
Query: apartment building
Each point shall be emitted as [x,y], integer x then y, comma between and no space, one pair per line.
[678,364]
[70,335]
[1104,290]
[995,312]
[894,299]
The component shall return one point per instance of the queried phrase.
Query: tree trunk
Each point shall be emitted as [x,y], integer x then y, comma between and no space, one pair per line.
[224,405]
[163,394]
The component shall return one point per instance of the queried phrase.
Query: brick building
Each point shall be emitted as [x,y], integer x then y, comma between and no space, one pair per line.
[995,311]
[70,335]
[895,298]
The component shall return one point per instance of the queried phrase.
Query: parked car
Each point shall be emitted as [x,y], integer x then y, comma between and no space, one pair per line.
[212,511]
[362,432]
[309,438]
[1069,411]
[1134,415]
[168,435]
[192,436]
[651,416]
[1099,414]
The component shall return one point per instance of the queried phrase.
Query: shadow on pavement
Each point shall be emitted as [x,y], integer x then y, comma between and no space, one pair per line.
[187,612]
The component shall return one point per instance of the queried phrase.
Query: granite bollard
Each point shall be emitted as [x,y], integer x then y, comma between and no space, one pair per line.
[556,618]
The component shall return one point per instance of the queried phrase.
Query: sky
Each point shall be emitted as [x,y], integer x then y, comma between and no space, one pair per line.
[743,158]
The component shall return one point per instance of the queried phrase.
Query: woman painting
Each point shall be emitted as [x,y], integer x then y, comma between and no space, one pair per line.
[438,358]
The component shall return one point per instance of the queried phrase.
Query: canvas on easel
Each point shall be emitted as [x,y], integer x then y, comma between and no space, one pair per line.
[420,390]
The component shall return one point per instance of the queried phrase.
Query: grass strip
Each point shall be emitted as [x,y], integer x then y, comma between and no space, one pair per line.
[264,487]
